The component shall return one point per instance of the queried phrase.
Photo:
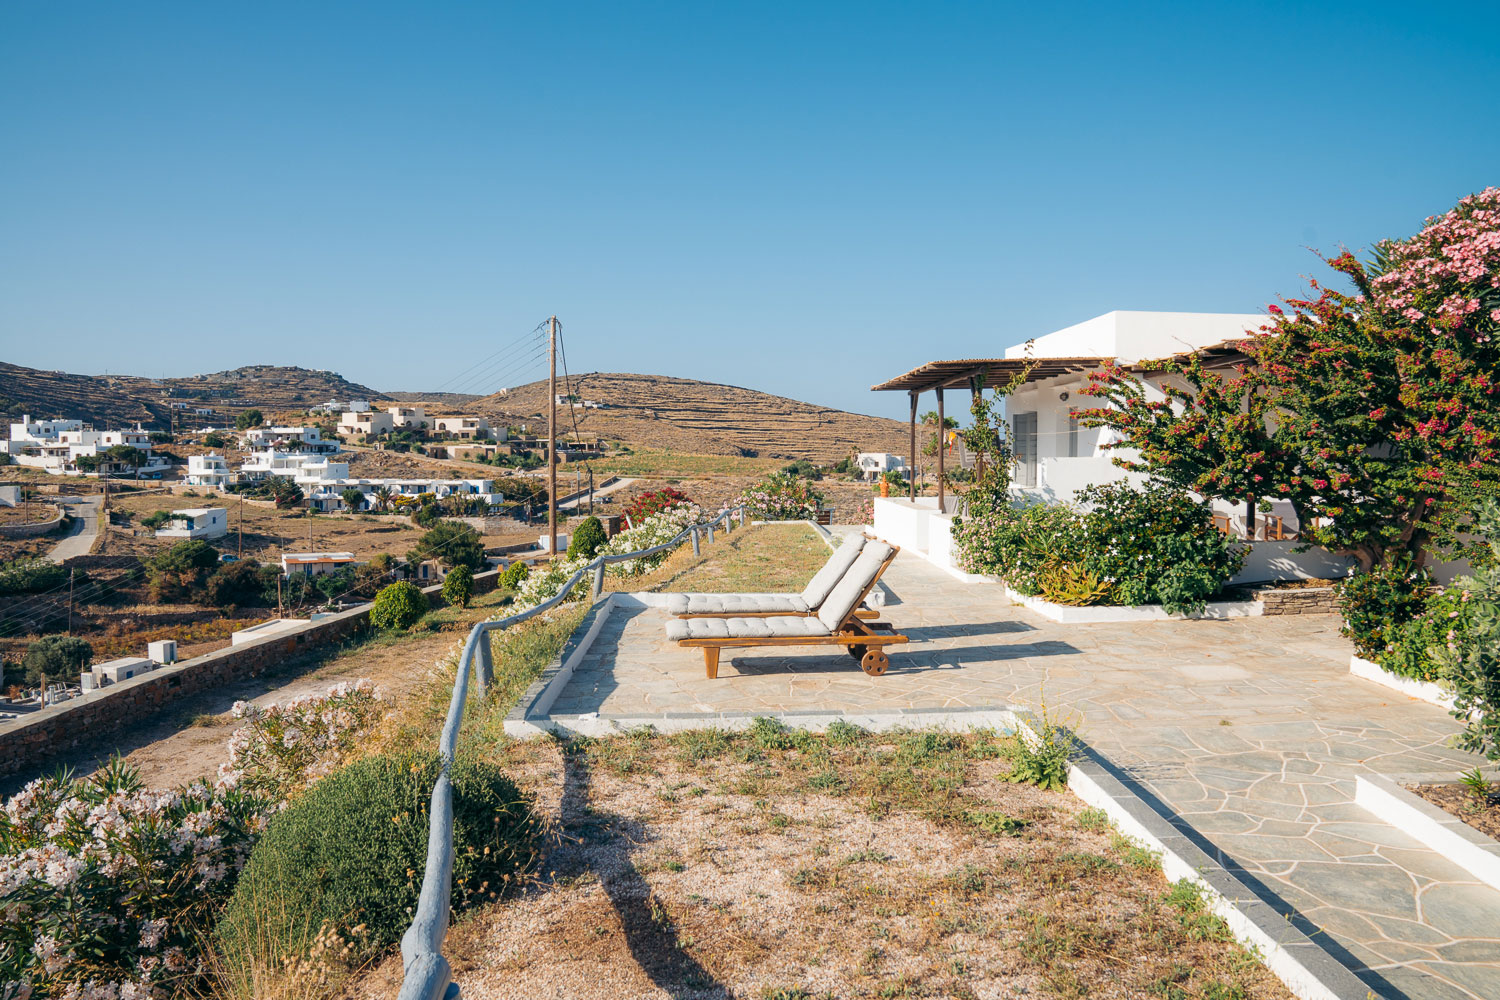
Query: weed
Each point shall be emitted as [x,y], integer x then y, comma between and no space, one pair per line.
[1135,855]
[1478,786]
[1093,819]
[996,823]
[867,855]
[1039,755]
[702,744]
[1192,912]
[843,734]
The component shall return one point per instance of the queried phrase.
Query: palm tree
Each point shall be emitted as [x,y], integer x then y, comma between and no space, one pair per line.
[383,497]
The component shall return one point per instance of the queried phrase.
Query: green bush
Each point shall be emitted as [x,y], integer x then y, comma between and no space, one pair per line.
[398,606]
[587,538]
[20,576]
[450,543]
[1470,658]
[514,574]
[350,853]
[1377,605]
[458,586]
[214,439]
[55,658]
[1156,545]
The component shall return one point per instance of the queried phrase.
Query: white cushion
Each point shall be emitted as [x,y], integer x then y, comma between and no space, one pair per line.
[744,628]
[847,593]
[735,604]
[824,580]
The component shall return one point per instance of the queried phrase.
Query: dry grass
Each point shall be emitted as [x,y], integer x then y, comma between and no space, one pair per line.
[781,864]
[768,558]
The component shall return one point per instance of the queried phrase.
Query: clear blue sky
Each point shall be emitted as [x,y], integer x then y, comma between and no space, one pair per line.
[802,198]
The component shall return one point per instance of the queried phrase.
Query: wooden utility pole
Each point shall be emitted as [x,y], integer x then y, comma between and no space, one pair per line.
[239,552]
[70,600]
[552,436]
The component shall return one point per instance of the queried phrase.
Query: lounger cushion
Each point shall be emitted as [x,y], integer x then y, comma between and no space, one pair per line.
[861,575]
[744,628]
[735,604]
[825,579]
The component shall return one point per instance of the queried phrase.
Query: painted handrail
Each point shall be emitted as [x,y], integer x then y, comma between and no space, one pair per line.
[427,974]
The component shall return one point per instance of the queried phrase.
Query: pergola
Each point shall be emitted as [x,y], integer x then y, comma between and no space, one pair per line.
[974,374]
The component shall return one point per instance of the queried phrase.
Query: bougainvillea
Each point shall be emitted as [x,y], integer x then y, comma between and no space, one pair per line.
[1376,412]
[653,502]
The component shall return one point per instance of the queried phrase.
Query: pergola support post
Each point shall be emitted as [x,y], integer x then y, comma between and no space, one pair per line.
[942,441]
[911,474]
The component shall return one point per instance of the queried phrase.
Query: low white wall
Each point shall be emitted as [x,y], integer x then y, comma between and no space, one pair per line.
[1268,562]
[904,522]
[1097,613]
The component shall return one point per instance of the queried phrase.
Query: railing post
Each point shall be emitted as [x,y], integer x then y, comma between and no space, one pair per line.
[697,547]
[599,578]
[484,664]
[710,532]
[742,517]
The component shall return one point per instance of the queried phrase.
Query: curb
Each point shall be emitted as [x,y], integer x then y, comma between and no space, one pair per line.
[1445,833]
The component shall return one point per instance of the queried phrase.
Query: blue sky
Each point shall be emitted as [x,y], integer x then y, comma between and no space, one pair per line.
[800,198]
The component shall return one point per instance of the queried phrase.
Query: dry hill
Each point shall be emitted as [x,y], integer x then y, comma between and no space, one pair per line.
[678,414]
[119,400]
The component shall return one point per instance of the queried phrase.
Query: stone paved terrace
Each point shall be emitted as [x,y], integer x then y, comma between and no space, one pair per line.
[1252,730]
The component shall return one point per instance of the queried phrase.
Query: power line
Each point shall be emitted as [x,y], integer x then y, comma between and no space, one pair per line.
[512,346]
[490,371]
[505,374]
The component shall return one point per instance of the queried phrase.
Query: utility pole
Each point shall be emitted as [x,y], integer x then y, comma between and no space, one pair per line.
[552,436]
[239,552]
[71,571]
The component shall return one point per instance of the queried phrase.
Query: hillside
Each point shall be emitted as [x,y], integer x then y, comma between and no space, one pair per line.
[119,400]
[677,414]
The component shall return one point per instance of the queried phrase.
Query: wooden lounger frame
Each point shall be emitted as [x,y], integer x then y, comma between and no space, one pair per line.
[861,638]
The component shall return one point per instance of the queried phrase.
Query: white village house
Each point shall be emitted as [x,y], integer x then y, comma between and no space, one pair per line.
[316,563]
[196,522]
[873,464]
[1055,456]
[55,446]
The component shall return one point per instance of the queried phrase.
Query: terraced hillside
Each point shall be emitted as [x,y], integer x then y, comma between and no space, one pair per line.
[119,400]
[677,414]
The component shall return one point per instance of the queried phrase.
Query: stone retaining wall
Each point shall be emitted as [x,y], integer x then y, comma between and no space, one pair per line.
[31,739]
[1300,601]
[33,529]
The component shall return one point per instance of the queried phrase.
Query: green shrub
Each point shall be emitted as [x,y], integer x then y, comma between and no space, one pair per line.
[587,538]
[1470,659]
[458,586]
[399,605]
[55,658]
[514,574]
[21,576]
[450,543]
[214,439]
[1042,759]
[349,856]
[1156,545]
[1378,604]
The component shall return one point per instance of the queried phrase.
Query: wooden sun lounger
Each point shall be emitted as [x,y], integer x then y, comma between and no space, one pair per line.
[837,624]
[806,604]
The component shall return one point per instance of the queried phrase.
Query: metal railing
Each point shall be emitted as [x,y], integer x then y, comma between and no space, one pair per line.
[428,976]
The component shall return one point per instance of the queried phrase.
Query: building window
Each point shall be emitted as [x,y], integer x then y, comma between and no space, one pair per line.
[1072,435]
[1023,430]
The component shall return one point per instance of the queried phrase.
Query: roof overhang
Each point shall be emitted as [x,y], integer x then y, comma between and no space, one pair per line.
[989,372]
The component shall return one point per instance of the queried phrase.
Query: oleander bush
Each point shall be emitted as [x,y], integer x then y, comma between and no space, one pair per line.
[344,862]
[108,886]
[398,606]
[283,747]
[1470,658]
[782,496]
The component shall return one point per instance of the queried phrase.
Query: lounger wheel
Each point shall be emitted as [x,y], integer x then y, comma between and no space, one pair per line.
[875,662]
[856,651]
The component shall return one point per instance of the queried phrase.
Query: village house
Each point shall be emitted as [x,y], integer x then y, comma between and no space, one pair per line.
[464,427]
[56,446]
[209,470]
[409,418]
[365,424]
[306,440]
[874,464]
[316,563]
[196,522]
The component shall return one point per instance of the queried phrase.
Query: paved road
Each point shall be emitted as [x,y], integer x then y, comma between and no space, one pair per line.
[80,537]
[604,491]
[1252,730]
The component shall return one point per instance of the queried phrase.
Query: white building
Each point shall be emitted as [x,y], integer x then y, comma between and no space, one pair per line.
[196,522]
[328,494]
[1055,455]
[316,563]
[308,440]
[56,445]
[365,424]
[302,468]
[334,406]
[872,464]
[209,470]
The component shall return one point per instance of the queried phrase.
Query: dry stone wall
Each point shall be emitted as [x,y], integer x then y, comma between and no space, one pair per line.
[1299,601]
[29,741]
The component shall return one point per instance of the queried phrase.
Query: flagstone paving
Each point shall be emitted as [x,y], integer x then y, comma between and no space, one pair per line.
[1251,730]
